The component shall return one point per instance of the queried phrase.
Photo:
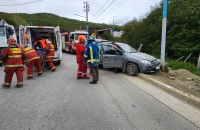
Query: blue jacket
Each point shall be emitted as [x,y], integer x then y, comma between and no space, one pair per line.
[92,54]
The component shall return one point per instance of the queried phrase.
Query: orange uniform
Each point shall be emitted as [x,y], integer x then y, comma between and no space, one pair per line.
[82,67]
[32,58]
[13,63]
[50,51]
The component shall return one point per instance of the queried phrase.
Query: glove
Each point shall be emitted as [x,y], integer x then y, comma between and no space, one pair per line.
[1,64]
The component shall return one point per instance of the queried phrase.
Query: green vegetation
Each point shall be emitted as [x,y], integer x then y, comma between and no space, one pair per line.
[183,65]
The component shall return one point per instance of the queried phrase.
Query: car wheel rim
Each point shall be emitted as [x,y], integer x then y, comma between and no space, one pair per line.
[130,69]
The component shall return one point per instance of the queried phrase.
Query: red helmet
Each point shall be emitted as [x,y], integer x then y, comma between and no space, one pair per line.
[11,40]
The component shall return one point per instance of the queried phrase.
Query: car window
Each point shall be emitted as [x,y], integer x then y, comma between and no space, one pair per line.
[127,48]
[111,50]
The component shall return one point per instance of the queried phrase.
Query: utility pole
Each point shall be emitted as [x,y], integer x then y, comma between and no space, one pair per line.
[163,39]
[86,10]
[113,26]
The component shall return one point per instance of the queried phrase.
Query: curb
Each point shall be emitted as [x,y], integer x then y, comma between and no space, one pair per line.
[175,92]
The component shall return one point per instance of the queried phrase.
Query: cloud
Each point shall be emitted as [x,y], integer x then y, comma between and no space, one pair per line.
[125,10]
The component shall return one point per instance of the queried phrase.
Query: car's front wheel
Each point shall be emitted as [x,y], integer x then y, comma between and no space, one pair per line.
[132,69]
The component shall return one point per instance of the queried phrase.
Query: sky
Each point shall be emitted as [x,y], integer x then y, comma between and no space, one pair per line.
[117,12]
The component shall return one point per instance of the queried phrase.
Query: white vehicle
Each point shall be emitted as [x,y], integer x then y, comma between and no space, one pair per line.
[69,40]
[43,32]
[6,31]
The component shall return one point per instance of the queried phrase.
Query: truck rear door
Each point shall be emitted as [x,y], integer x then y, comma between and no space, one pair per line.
[59,43]
[21,32]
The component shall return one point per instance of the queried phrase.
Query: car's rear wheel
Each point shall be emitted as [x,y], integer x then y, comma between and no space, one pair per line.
[132,69]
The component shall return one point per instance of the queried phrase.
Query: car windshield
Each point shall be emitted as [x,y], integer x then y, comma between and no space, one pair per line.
[127,48]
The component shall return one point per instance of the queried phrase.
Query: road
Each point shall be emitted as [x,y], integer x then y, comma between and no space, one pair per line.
[58,101]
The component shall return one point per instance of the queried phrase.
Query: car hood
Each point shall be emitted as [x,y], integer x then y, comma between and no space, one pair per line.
[143,56]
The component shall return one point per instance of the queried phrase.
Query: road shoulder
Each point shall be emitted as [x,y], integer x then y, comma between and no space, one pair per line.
[188,111]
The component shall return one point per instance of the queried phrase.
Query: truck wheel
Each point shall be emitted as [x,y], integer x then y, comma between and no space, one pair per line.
[132,69]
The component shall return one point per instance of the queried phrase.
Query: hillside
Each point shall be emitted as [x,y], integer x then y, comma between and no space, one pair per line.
[47,19]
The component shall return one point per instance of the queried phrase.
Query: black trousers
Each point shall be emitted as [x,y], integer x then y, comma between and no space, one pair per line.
[95,72]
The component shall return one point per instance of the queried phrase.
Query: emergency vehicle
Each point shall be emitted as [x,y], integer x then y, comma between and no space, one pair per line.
[69,40]
[6,31]
[36,33]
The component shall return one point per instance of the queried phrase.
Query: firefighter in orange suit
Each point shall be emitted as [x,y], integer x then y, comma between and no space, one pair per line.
[50,50]
[32,59]
[13,63]
[82,67]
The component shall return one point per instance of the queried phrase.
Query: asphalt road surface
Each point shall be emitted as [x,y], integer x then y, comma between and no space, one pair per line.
[58,101]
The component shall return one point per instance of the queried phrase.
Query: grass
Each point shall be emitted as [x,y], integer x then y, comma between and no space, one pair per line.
[175,65]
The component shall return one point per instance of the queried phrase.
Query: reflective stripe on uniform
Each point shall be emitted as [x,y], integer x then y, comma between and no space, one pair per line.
[85,56]
[16,56]
[7,83]
[29,52]
[19,65]
[33,58]
[16,51]
[91,54]
[79,72]
[50,56]
[20,83]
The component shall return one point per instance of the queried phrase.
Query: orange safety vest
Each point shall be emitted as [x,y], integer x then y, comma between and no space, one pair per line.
[43,42]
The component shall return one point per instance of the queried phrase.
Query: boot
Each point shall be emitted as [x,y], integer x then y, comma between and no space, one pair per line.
[40,74]
[53,70]
[19,86]
[30,77]
[93,82]
[5,86]
[79,78]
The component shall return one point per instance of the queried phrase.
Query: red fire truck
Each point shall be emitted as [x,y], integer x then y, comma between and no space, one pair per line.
[69,40]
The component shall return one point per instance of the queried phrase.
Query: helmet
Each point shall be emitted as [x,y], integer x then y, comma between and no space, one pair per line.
[11,40]
[91,38]
[81,38]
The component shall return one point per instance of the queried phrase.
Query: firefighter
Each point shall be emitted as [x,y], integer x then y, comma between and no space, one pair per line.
[50,50]
[26,38]
[13,63]
[82,67]
[32,59]
[92,56]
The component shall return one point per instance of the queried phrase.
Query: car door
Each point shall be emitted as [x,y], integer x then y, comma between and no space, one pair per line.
[21,33]
[112,56]
[58,41]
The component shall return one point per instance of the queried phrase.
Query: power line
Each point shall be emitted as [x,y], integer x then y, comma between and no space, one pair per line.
[104,10]
[22,3]
[117,6]
[100,8]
